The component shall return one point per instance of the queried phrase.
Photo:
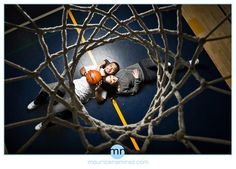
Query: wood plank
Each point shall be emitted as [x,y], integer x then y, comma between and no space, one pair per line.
[226,8]
[202,19]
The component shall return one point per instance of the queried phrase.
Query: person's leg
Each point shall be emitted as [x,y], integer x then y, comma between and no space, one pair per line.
[149,69]
[41,98]
[58,108]
[148,63]
[38,101]
[61,93]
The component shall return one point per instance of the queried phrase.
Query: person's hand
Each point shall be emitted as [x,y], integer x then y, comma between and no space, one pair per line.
[135,73]
[103,63]
[83,71]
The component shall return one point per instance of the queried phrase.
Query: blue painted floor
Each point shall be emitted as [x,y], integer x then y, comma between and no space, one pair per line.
[209,114]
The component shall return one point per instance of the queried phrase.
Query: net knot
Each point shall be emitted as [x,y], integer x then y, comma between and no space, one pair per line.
[179,135]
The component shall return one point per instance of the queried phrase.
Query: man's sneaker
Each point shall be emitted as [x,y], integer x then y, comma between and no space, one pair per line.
[196,62]
[38,126]
[32,106]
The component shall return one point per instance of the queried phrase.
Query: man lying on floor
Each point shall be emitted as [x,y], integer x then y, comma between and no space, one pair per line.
[127,81]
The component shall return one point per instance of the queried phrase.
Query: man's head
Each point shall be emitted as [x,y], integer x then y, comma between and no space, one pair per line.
[112,68]
[111,80]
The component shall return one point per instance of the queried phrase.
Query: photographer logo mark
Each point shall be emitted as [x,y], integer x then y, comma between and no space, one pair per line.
[117,151]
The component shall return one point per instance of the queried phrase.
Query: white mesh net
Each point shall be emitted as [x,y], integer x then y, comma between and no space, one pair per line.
[167,85]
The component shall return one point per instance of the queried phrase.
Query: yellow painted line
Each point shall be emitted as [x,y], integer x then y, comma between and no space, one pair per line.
[119,112]
[124,122]
[135,144]
[113,100]
[83,39]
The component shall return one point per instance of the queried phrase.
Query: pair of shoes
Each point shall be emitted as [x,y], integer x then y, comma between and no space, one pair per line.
[38,126]
[32,106]
[196,62]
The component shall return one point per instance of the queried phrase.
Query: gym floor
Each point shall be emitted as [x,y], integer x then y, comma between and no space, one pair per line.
[208,114]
